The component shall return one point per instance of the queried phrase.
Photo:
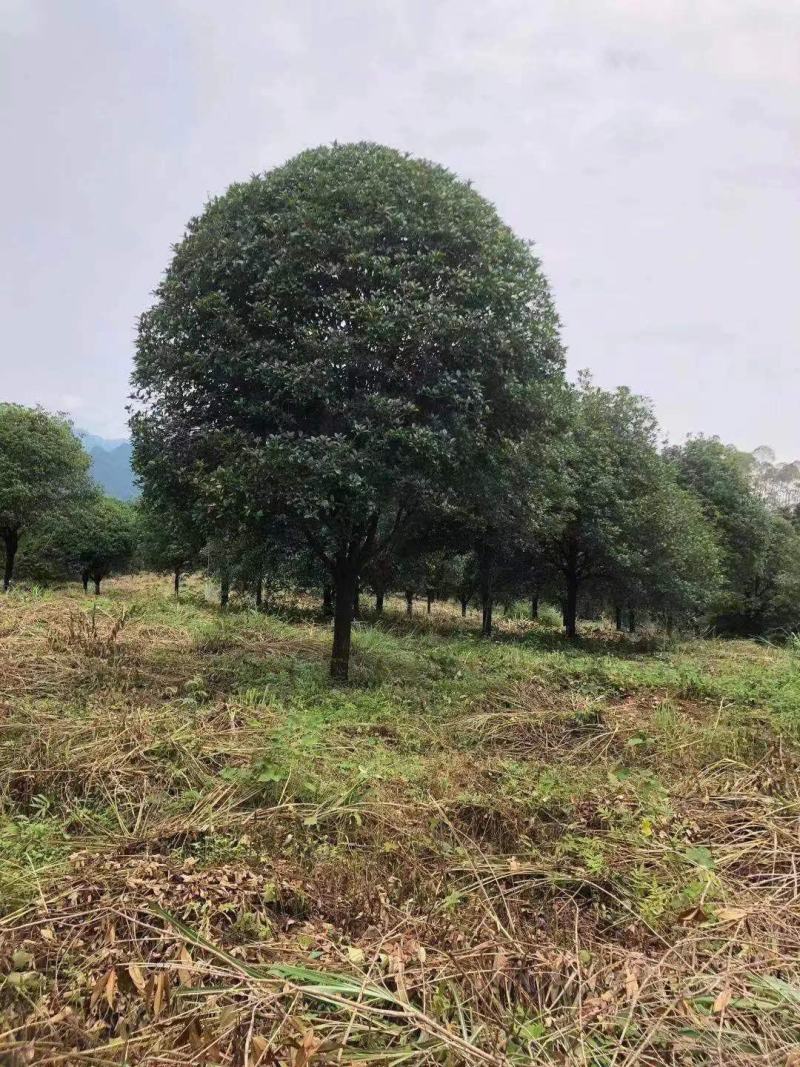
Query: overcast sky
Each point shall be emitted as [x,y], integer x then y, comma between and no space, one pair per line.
[650,148]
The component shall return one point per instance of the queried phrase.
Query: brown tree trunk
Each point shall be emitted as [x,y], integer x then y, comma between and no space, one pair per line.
[177,583]
[463,607]
[618,614]
[224,590]
[85,580]
[327,600]
[535,606]
[379,602]
[259,593]
[11,538]
[486,569]
[97,587]
[571,606]
[409,601]
[430,600]
[343,624]
[631,621]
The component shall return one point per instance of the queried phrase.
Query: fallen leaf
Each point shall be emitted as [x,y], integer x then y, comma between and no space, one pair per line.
[138,979]
[723,1000]
[730,915]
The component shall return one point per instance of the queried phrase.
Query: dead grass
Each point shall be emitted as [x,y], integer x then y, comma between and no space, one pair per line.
[477,855]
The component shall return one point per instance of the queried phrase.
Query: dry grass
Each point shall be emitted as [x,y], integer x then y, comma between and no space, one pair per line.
[480,854]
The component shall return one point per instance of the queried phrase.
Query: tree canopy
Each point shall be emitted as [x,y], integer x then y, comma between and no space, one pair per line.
[341,341]
[43,467]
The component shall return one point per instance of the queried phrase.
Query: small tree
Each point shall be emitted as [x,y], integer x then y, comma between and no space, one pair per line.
[168,541]
[43,468]
[603,524]
[341,342]
[103,540]
[721,479]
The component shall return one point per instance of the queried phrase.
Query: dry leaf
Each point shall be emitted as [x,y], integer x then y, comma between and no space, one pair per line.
[138,979]
[160,994]
[185,972]
[105,986]
[723,1000]
[730,915]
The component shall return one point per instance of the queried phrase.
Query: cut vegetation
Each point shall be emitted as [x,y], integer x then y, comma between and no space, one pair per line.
[525,850]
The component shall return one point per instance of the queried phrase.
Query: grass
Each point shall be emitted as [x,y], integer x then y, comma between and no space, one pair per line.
[478,852]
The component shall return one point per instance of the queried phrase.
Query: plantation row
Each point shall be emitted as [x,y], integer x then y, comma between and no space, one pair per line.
[352,379]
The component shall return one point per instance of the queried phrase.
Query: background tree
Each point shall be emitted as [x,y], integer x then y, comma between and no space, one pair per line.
[103,540]
[43,467]
[720,477]
[603,521]
[168,541]
[346,338]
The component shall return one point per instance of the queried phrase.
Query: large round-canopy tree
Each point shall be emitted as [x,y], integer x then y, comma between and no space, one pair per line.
[342,341]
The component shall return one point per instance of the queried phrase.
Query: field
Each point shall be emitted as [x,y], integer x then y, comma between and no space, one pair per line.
[503,852]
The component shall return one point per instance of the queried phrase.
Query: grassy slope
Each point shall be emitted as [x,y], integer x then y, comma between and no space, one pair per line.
[478,852]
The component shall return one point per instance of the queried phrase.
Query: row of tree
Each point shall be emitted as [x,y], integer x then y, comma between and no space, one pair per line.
[352,378]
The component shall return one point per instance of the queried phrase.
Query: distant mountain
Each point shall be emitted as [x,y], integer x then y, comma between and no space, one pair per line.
[105,444]
[111,464]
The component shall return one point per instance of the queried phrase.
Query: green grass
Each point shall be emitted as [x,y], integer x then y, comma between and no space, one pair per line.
[507,838]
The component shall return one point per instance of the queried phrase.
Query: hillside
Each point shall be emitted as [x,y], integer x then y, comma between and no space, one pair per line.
[478,852]
[111,464]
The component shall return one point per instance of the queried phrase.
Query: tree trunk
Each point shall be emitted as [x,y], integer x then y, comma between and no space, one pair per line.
[670,622]
[357,601]
[259,593]
[486,577]
[97,587]
[571,604]
[224,590]
[11,539]
[85,580]
[430,600]
[487,604]
[535,606]
[379,602]
[631,621]
[463,607]
[343,624]
[327,601]
[177,583]
[409,601]
[618,613]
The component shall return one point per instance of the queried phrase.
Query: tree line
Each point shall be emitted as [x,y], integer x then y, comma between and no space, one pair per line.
[352,379]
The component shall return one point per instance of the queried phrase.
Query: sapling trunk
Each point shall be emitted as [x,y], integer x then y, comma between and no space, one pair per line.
[342,625]
[463,607]
[11,539]
[409,601]
[571,607]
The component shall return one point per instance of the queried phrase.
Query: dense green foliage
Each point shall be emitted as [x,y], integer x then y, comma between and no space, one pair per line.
[43,469]
[343,342]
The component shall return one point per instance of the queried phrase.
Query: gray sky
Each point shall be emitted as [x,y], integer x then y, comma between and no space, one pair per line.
[650,148]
